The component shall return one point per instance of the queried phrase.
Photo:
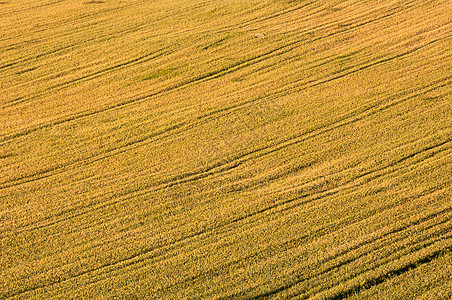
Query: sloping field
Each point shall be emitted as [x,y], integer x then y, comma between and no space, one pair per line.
[175,149]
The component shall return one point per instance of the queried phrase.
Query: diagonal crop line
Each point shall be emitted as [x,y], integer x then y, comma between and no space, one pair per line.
[46,173]
[395,272]
[260,152]
[136,258]
[368,284]
[395,230]
[208,76]
[96,74]
[347,185]
[56,51]
[317,83]
[275,15]
[238,160]
[374,174]
[56,170]
[177,86]
[290,244]
[176,244]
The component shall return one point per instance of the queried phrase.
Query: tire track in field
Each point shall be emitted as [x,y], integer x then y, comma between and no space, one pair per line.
[80,29]
[145,191]
[177,86]
[119,66]
[251,257]
[376,236]
[37,56]
[287,245]
[186,123]
[406,158]
[83,27]
[273,16]
[54,51]
[263,151]
[33,7]
[354,69]
[320,195]
[279,175]
[345,186]
[210,75]
[415,249]
[425,259]
[50,26]
[319,38]
[373,174]
[216,74]
[59,169]
[48,172]
[136,257]
[142,140]
[74,45]
[135,261]
[348,185]
[141,192]
[369,282]
[9,64]
[302,295]
[388,12]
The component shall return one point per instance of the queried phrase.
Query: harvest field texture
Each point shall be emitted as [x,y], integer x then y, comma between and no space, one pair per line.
[202,149]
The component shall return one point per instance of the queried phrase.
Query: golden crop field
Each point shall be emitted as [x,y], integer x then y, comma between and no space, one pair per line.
[272,149]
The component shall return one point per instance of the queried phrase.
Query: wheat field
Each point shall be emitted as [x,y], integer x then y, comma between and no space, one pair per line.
[273,149]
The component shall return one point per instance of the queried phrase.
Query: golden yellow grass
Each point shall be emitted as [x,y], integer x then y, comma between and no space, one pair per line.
[225,149]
